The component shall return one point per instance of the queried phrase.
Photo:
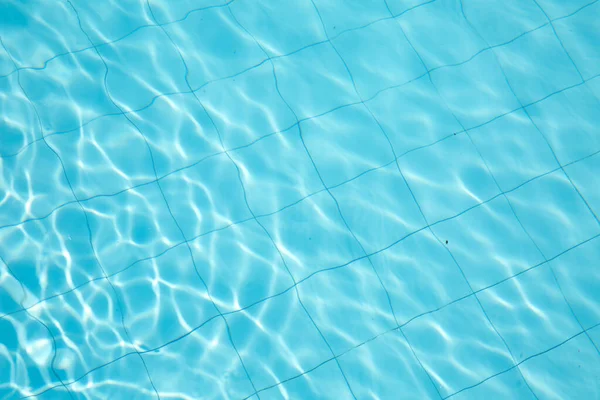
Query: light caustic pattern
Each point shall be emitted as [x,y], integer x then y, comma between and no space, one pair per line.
[262,199]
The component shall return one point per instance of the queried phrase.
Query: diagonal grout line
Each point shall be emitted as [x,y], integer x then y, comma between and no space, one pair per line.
[288,54]
[595,237]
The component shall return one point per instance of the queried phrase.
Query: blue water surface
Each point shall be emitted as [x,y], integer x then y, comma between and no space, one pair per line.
[299,199]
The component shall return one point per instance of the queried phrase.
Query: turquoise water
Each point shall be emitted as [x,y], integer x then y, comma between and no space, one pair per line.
[299,199]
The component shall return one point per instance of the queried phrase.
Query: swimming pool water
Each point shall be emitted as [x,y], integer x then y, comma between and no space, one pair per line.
[299,199]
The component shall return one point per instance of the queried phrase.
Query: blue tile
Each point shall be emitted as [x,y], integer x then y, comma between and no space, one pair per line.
[500,21]
[458,335]
[553,213]
[69,92]
[349,305]
[570,370]
[206,349]
[214,46]
[576,274]
[314,81]
[43,272]
[312,236]
[179,132]
[124,377]
[19,123]
[36,31]
[162,298]
[513,149]
[247,107]
[205,197]
[131,226]
[105,157]
[413,115]
[569,122]
[419,275]
[531,302]
[276,172]
[379,208]
[549,68]
[240,266]
[281,327]
[489,244]
[87,328]
[385,367]
[396,61]
[346,143]
[476,91]
[33,185]
[579,36]
[27,352]
[434,173]
[440,34]
[584,175]
[142,66]
[280,28]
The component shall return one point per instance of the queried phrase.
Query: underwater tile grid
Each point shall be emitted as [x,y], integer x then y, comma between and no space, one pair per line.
[299,199]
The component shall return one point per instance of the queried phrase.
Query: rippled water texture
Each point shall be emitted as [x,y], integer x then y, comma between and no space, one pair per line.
[299,199]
